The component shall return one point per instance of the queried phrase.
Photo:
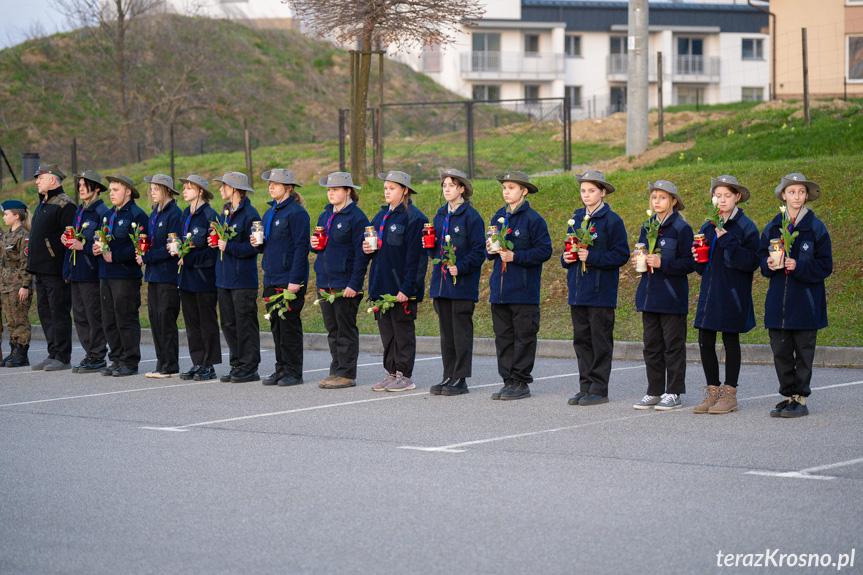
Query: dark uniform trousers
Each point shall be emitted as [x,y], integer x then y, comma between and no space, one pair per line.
[593,342]
[733,357]
[665,352]
[398,336]
[515,329]
[343,337]
[202,327]
[87,309]
[287,332]
[238,314]
[163,308]
[455,317]
[54,304]
[121,300]
[793,354]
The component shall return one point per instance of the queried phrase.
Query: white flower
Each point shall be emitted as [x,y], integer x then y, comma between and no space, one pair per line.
[189,235]
[134,224]
[782,209]
[317,302]
[86,225]
[267,317]
[570,222]
[586,217]
[446,237]
[715,201]
[500,220]
[104,220]
[649,213]
[370,310]
[226,212]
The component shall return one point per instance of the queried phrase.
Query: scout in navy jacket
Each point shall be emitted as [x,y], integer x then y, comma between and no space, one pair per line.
[342,264]
[725,301]
[797,300]
[597,286]
[198,273]
[467,233]
[119,222]
[162,266]
[400,264]
[666,290]
[520,282]
[286,244]
[238,269]
[86,266]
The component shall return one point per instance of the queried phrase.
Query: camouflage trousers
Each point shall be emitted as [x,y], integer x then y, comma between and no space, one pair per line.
[16,314]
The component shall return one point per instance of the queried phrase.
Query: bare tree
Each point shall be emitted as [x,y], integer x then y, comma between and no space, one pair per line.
[401,24]
[112,24]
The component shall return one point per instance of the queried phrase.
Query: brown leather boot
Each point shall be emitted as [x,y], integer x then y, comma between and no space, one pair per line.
[727,400]
[711,395]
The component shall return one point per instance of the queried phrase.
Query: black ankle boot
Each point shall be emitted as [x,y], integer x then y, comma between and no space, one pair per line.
[18,357]
[455,387]
[517,391]
[437,389]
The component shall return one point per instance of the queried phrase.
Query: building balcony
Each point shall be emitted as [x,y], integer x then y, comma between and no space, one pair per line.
[617,68]
[695,70]
[511,65]
[430,61]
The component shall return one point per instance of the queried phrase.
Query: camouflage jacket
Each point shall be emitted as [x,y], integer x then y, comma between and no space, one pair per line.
[13,260]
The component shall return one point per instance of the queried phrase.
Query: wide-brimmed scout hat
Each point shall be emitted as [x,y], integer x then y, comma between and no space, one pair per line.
[399,178]
[237,180]
[92,176]
[13,205]
[460,177]
[163,180]
[338,180]
[798,178]
[200,182]
[730,182]
[126,181]
[668,188]
[519,178]
[281,176]
[50,169]
[596,177]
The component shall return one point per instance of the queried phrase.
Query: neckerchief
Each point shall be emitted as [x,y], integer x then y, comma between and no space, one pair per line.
[79,218]
[383,223]
[444,232]
[188,221]
[153,219]
[111,221]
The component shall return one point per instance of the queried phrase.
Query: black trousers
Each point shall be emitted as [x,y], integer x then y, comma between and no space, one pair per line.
[121,300]
[515,329]
[455,318]
[163,308]
[593,342]
[343,337]
[793,355]
[54,304]
[287,332]
[398,336]
[238,314]
[87,309]
[733,358]
[665,352]
[202,327]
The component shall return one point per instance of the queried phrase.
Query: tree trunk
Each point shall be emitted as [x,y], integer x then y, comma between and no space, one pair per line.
[359,102]
[121,77]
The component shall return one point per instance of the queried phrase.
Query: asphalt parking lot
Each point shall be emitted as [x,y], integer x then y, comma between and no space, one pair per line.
[139,476]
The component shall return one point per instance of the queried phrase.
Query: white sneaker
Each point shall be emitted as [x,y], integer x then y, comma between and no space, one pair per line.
[669,401]
[647,402]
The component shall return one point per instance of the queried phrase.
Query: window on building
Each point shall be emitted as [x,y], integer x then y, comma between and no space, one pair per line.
[573,46]
[486,92]
[618,45]
[574,94]
[617,99]
[486,42]
[855,58]
[531,44]
[688,95]
[753,49]
[752,94]
[531,92]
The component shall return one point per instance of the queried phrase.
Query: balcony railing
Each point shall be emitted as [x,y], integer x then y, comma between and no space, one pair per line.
[499,65]
[696,69]
[430,61]
[617,68]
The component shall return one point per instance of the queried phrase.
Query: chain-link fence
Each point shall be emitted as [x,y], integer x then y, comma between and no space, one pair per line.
[481,137]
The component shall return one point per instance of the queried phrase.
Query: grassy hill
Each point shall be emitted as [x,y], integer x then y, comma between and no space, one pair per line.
[758,145]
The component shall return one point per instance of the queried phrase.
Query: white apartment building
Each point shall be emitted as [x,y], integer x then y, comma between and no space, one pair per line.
[712,53]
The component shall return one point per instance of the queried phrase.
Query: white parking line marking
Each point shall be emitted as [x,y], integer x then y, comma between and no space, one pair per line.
[371,364]
[835,385]
[807,473]
[102,394]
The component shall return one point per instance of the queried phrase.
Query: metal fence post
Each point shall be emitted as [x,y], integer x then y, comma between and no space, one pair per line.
[660,113]
[470,143]
[75,167]
[172,151]
[342,140]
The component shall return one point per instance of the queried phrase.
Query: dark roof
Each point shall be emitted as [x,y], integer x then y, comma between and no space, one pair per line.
[587,16]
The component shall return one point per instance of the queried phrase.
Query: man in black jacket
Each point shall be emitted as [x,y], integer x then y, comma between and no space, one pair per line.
[52,215]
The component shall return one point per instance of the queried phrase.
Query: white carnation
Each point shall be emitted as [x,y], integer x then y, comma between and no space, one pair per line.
[782,209]
[446,237]
[715,201]
[649,213]
[570,222]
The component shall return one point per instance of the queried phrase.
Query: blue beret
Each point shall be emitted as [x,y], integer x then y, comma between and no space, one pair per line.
[13,205]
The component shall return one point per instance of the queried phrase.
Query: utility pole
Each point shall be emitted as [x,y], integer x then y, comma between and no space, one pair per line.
[636,84]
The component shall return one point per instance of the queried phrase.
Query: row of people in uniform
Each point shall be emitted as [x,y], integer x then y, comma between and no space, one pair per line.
[220,270]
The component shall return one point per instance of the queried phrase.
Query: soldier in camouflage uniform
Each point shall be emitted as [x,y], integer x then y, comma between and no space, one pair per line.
[15,293]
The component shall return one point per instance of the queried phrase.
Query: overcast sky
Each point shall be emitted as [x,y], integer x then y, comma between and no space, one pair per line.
[18,18]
